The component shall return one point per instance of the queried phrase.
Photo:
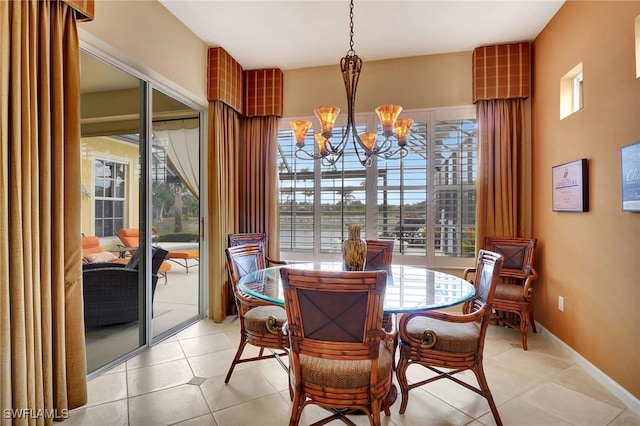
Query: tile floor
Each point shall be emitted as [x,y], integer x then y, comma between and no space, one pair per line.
[181,382]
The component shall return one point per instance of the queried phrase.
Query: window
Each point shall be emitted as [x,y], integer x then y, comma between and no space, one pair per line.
[637,31]
[425,201]
[571,92]
[577,92]
[109,189]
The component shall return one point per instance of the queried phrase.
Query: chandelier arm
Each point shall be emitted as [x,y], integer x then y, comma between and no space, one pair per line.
[384,147]
[401,153]
[363,154]
[301,154]
[331,160]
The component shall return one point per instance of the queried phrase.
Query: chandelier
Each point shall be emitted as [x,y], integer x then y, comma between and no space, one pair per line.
[366,145]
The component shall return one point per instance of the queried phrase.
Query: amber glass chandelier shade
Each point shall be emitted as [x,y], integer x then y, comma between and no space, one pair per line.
[327,116]
[401,128]
[300,128]
[369,140]
[388,114]
[321,141]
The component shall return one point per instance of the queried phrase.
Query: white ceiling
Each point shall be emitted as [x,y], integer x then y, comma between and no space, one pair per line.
[290,34]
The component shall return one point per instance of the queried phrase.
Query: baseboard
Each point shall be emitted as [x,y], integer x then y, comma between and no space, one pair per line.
[621,393]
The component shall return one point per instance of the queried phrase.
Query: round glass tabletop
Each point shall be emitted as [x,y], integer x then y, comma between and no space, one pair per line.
[409,288]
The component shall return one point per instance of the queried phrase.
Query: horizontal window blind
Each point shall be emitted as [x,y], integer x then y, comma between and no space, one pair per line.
[425,201]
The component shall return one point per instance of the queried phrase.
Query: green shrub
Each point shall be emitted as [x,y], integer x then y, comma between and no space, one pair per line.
[178,237]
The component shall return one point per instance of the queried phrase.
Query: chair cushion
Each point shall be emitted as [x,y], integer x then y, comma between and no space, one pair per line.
[184,254]
[101,257]
[256,319]
[344,374]
[509,292]
[450,336]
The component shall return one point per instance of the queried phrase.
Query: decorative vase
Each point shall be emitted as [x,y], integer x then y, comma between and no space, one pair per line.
[354,250]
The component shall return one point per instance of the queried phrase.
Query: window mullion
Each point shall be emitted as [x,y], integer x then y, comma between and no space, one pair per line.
[432,214]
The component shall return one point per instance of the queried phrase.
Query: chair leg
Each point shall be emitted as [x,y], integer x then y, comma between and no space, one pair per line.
[243,343]
[484,387]
[296,409]
[532,321]
[524,327]
[401,374]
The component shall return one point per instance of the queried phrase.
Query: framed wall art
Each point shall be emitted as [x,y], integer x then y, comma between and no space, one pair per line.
[570,191]
[631,177]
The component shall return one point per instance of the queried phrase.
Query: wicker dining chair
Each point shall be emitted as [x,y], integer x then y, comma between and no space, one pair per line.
[450,343]
[379,255]
[339,358]
[260,322]
[253,237]
[513,301]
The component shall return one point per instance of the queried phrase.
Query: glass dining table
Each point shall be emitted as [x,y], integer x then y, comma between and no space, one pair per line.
[409,288]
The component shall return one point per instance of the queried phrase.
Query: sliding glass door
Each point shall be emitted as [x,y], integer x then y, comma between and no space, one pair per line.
[175,186]
[140,187]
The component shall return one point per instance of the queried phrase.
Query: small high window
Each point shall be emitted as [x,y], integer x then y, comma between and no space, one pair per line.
[637,28]
[571,92]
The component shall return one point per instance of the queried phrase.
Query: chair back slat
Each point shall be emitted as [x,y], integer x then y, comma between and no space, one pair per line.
[379,255]
[518,254]
[247,238]
[244,259]
[333,314]
[488,273]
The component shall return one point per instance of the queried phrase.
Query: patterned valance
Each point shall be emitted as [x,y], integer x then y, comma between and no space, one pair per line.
[255,93]
[263,92]
[84,9]
[224,79]
[502,71]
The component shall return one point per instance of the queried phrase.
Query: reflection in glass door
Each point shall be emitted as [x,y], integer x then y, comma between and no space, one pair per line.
[140,187]
[111,151]
[175,210]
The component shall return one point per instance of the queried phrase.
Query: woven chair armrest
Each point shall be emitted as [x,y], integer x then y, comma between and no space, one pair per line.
[443,316]
[468,272]
[276,262]
[528,283]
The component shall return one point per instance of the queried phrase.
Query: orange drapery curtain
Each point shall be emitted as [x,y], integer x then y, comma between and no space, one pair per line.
[258,184]
[42,351]
[222,161]
[243,195]
[500,209]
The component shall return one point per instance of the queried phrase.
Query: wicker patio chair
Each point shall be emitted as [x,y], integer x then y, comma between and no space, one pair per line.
[260,322]
[111,290]
[339,358]
[514,294]
[450,343]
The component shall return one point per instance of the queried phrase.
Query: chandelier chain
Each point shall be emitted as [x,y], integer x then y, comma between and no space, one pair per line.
[351,52]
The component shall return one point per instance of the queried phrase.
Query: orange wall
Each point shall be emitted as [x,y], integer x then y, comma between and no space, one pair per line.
[415,82]
[147,37]
[591,259]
